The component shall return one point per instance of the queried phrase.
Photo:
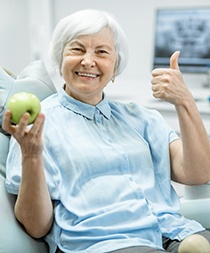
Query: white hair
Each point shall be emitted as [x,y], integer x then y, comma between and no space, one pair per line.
[87,22]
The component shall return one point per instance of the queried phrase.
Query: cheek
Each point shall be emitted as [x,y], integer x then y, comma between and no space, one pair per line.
[110,67]
[66,68]
[66,74]
[68,62]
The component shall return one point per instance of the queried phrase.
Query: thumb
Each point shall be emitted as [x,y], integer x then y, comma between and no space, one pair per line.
[174,60]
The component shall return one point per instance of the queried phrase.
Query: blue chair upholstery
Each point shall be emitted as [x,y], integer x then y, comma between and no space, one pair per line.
[35,79]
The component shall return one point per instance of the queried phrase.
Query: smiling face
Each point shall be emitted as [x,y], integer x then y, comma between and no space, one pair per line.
[88,65]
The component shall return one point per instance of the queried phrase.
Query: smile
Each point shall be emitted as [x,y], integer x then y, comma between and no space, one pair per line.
[90,75]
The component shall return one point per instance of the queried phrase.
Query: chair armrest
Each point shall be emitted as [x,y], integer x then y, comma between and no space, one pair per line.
[12,236]
[196,204]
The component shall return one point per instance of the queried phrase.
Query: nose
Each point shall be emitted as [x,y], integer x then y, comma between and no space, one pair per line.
[88,60]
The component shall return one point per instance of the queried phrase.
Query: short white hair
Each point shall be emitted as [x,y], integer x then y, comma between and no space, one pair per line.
[87,22]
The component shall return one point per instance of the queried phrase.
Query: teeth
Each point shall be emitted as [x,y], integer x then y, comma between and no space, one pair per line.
[87,74]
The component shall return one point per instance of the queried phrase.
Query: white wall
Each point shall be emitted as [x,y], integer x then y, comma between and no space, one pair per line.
[27,25]
[25,30]
[14,46]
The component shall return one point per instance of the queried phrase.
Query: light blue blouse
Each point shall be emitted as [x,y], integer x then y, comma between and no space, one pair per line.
[108,172]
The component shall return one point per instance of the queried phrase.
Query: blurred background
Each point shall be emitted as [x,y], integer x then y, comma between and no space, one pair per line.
[26,27]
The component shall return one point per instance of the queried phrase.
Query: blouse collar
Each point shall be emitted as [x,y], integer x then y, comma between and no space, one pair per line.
[84,109]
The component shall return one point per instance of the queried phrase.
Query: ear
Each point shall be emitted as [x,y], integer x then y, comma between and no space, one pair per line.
[114,73]
[113,79]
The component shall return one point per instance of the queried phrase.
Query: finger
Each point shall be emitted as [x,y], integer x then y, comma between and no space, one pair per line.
[158,72]
[24,120]
[155,87]
[37,127]
[22,125]
[174,60]
[156,79]
[6,125]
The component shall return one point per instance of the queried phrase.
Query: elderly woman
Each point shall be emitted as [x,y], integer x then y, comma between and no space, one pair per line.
[94,175]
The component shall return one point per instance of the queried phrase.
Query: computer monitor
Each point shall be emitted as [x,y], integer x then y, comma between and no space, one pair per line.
[186,30]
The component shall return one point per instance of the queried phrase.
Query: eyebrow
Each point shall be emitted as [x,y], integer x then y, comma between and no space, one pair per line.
[82,45]
[73,42]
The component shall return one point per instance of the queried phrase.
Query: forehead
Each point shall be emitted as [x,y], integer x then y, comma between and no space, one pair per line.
[103,37]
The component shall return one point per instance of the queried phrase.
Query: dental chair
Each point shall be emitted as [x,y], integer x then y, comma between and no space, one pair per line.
[13,239]
[35,79]
[195,204]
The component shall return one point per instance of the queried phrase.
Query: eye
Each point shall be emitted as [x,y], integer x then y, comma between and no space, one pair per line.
[101,52]
[77,50]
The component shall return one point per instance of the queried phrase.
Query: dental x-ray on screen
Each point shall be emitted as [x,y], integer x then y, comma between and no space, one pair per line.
[187,30]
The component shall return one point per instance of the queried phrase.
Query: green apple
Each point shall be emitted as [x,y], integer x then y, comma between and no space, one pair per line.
[23,102]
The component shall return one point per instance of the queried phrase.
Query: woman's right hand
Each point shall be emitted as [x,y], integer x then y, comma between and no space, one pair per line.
[33,198]
[29,138]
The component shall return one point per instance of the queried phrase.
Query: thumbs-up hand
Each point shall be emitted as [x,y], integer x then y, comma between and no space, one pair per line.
[168,83]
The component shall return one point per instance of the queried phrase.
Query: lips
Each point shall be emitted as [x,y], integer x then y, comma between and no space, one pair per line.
[89,75]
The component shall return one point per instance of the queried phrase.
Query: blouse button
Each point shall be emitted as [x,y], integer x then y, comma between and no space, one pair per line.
[125,157]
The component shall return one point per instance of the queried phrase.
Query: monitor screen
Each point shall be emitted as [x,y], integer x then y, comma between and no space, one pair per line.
[186,30]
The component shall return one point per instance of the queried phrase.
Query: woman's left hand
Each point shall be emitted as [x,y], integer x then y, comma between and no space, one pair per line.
[168,83]
[190,158]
